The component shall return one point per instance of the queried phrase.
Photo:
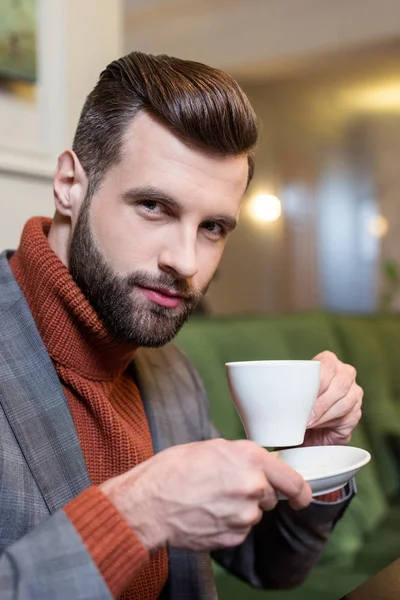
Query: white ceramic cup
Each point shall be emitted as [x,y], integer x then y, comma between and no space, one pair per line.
[274,398]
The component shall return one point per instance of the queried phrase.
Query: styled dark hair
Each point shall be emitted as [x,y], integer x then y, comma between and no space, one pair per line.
[204,106]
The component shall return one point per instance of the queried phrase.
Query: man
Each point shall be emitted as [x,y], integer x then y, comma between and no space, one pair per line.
[113,481]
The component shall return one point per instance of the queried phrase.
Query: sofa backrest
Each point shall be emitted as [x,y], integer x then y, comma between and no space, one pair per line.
[210,342]
[368,350]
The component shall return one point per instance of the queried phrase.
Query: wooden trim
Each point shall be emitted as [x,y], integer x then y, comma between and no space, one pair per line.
[28,165]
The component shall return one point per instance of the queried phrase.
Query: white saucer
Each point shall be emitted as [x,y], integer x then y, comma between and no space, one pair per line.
[325,468]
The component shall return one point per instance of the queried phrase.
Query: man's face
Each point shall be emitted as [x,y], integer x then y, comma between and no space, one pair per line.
[145,247]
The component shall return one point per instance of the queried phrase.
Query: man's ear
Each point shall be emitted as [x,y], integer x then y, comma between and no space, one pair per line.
[70,185]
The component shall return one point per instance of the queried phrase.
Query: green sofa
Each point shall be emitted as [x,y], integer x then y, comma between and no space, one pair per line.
[368,537]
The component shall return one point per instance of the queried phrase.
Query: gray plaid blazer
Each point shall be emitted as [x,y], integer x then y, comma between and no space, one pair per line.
[42,468]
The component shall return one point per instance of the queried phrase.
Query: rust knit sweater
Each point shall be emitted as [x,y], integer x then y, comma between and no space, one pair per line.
[106,408]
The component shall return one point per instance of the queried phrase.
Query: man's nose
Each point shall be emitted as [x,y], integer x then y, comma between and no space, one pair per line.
[179,255]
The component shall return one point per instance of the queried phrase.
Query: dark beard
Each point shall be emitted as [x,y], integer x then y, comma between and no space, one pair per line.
[125,312]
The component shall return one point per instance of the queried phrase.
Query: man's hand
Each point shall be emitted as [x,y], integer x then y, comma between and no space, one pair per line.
[204,495]
[337,409]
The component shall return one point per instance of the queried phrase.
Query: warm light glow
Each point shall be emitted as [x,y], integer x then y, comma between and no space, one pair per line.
[375,98]
[378,226]
[265,208]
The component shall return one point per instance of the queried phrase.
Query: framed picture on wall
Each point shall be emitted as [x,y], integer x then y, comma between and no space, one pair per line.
[32,85]
[18,39]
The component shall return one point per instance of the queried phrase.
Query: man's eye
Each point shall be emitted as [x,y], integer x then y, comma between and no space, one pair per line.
[215,229]
[151,206]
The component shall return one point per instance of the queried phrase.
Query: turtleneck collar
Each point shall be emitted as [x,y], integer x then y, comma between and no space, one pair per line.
[74,335]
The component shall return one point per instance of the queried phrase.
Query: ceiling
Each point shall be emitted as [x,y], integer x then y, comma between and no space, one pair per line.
[255,38]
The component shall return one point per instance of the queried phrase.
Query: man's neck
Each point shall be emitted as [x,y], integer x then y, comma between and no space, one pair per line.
[59,237]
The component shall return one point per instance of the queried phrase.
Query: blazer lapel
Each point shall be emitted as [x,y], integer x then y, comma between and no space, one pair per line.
[168,396]
[157,399]
[34,402]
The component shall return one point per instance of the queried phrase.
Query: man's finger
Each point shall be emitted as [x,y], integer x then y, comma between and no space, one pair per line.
[288,482]
[329,364]
[347,422]
[340,409]
[338,389]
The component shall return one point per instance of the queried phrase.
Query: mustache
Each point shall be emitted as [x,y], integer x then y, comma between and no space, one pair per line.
[164,281]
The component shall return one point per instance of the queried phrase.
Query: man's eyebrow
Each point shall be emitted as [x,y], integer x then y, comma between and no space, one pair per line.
[149,192]
[229,222]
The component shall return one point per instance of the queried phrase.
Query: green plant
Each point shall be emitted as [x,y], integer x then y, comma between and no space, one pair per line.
[391,277]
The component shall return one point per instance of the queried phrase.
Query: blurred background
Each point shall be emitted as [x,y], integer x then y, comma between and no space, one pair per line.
[319,234]
[320,225]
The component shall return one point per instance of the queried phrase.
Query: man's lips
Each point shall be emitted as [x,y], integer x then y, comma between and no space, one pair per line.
[163,297]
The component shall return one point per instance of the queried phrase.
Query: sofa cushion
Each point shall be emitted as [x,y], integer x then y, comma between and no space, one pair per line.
[380,411]
[365,342]
[387,330]
[323,583]
[382,546]
[306,335]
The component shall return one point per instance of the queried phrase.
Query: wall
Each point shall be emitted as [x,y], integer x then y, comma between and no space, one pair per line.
[384,144]
[24,191]
[273,267]
[348,255]
[20,198]
[250,277]
[334,166]
[18,104]
[76,41]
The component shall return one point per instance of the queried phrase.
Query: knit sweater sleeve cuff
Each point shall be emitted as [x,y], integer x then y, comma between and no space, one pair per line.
[115,549]
[331,496]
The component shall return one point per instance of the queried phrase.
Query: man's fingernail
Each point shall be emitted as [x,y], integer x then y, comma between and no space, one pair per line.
[311,419]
